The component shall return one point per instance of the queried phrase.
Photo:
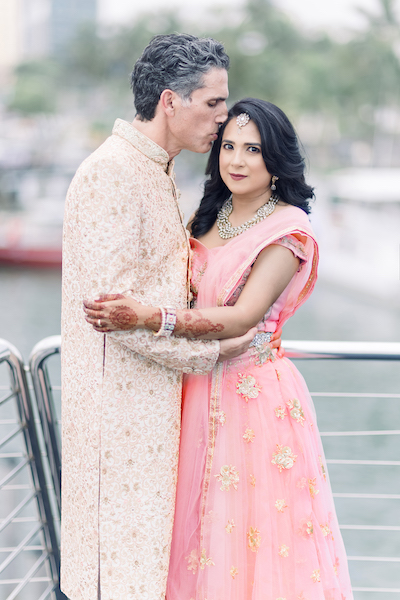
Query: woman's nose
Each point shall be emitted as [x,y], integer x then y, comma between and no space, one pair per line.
[237,158]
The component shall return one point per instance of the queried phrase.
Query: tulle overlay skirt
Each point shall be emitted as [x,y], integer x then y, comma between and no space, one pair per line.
[255,518]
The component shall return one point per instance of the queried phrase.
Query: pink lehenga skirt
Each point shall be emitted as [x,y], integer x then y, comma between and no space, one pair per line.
[255,517]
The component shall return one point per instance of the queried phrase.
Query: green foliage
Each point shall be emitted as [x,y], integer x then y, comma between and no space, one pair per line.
[271,58]
[35,88]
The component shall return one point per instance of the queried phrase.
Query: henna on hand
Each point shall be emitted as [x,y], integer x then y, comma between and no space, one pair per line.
[195,325]
[123,317]
[154,322]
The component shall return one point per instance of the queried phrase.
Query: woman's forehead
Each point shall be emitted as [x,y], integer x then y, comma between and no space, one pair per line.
[247,134]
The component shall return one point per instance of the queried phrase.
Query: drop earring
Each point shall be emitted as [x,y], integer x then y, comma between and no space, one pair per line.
[273,186]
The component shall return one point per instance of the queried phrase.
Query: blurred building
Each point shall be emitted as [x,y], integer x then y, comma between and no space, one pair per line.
[32,29]
[10,34]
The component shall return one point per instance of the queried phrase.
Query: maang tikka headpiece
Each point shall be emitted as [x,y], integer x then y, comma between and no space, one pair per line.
[241,121]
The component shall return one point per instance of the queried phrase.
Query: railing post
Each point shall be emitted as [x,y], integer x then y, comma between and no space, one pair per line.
[45,403]
[10,355]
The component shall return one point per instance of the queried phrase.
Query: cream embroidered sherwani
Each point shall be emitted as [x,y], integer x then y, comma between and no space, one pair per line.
[121,392]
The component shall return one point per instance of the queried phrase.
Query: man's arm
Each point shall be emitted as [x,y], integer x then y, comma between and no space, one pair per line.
[182,354]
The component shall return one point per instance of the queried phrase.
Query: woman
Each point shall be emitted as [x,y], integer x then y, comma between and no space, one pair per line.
[255,517]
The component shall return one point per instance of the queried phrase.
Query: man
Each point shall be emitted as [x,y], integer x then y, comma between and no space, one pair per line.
[121,398]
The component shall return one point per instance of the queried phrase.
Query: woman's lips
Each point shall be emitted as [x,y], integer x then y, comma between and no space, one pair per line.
[237,177]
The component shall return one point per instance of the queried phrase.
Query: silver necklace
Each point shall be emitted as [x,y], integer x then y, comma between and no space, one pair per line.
[227,231]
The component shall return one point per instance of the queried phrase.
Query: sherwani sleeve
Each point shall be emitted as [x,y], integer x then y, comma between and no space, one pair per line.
[108,215]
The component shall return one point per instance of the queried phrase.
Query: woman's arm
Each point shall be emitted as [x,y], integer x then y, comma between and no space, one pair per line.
[271,273]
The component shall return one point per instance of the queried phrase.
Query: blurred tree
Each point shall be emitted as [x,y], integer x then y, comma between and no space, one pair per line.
[342,90]
[35,88]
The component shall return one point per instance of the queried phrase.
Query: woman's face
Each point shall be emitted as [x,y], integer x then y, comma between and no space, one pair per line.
[241,164]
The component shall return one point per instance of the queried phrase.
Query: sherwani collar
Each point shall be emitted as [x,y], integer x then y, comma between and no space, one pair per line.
[144,144]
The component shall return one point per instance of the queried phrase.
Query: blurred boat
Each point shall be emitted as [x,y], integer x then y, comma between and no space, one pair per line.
[357,219]
[32,238]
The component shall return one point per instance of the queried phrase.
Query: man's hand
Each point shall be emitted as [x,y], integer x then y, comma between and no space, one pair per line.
[232,347]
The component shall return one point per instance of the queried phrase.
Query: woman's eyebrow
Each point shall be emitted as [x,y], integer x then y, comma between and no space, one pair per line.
[245,143]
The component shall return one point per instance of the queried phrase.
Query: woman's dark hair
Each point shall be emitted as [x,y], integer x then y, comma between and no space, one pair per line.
[281,154]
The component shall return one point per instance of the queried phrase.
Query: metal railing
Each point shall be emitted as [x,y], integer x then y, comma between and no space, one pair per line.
[46,408]
[376,351]
[29,550]
[310,350]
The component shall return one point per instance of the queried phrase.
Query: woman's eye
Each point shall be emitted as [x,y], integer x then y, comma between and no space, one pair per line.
[227,146]
[253,149]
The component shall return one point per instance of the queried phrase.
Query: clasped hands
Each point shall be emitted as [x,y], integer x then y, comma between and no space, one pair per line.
[117,312]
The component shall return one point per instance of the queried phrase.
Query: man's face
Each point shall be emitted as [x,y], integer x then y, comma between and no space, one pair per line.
[196,121]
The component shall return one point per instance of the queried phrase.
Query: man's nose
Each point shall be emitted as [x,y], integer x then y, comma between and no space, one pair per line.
[222,114]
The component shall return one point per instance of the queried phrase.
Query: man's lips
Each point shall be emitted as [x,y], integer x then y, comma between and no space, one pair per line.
[237,177]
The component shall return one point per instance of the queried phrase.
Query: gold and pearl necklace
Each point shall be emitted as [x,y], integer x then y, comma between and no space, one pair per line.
[227,231]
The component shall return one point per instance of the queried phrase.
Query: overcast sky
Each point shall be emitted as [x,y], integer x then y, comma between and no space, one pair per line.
[332,15]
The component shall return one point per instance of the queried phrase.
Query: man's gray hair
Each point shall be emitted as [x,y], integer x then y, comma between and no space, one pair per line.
[176,62]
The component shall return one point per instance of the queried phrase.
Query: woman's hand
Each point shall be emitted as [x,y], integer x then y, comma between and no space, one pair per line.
[112,312]
[276,342]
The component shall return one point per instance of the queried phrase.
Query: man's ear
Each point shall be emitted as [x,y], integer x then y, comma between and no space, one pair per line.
[167,102]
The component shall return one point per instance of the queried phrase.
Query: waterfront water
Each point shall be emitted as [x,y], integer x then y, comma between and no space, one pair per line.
[30,310]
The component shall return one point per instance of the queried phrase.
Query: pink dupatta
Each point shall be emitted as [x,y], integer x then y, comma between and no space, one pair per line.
[231,261]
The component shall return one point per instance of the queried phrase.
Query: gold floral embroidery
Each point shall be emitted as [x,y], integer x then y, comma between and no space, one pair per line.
[262,353]
[280,505]
[296,411]
[234,571]
[229,526]
[247,387]
[204,561]
[283,457]
[336,566]
[315,576]
[252,480]
[326,530]
[228,476]
[221,418]
[280,598]
[280,412]
[306,528]
[193,561]
[253,539]
[284,551]
[322,467]
[278,375]
[249,436]
[195,281]
[312,487]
